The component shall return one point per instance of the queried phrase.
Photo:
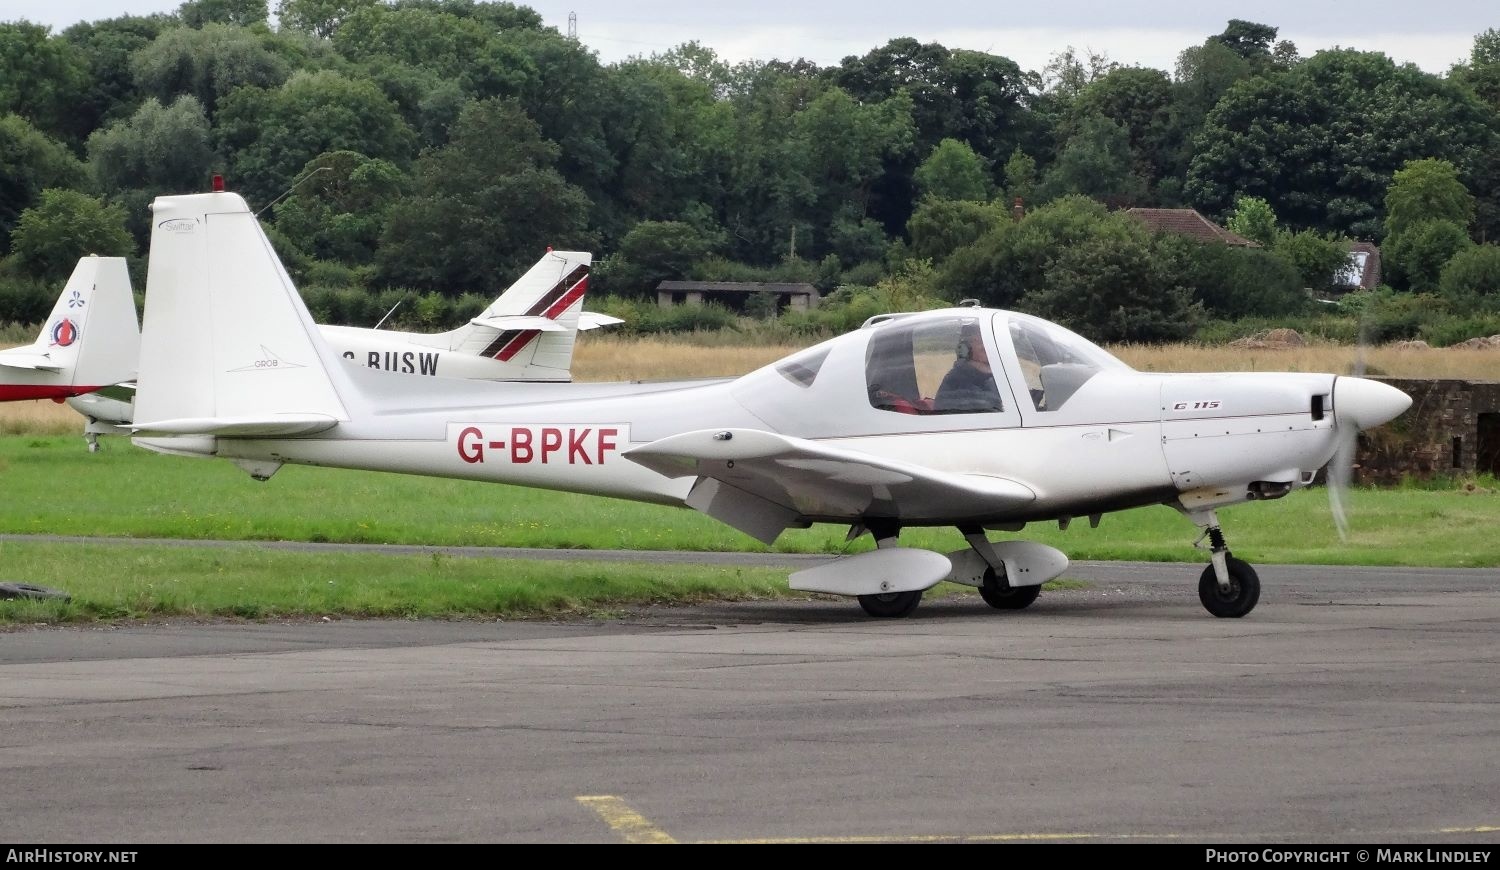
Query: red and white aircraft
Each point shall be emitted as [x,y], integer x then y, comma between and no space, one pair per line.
[88,350]
[868,429]
[90,341]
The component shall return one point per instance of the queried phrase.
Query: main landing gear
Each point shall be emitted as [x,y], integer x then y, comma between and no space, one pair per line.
[888,605]
[1228,587]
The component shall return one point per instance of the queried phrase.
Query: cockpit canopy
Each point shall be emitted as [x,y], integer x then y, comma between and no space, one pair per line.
[940,366]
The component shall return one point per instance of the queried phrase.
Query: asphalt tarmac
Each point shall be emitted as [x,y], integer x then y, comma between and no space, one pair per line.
[1352,706]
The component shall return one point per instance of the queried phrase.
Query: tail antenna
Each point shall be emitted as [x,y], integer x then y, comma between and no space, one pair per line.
[288,192]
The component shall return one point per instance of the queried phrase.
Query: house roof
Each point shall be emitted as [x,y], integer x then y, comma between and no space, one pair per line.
[1188,222]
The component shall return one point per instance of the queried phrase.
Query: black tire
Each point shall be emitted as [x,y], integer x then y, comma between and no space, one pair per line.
[31,590]
[1000,595]
[891,605]
[1244,590]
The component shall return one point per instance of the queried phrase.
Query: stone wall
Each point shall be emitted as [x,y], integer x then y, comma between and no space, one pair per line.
[1452,428]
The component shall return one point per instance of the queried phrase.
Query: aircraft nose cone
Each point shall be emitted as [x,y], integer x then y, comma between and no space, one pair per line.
[1366,403]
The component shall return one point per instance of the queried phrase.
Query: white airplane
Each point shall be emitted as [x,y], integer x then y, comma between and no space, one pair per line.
[528,333]
[90,341]
[867,429]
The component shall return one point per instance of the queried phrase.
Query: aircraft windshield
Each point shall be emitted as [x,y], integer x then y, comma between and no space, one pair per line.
[1054,361]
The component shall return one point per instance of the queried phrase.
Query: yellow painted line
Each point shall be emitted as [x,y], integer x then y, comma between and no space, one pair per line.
[623,820]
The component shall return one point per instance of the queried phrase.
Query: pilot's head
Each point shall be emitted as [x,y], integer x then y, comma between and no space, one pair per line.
[971,345]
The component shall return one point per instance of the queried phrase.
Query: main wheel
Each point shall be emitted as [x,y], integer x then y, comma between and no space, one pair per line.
[1000,595]
[1244,590]
[891,605]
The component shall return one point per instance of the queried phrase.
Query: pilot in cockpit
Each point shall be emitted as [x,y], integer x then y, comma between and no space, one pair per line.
[969,386]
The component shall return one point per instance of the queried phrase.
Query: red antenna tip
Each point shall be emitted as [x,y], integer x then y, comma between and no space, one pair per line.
[218,184]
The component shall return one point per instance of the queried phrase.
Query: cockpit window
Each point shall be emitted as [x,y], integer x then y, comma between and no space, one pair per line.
[802,369]
[1055,362]
[931,366]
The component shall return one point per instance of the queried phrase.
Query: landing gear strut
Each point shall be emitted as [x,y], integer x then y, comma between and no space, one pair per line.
[888,605]
[1228,587]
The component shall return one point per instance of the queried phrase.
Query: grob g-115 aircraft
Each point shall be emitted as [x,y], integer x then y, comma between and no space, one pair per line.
[867,429]
[88,350]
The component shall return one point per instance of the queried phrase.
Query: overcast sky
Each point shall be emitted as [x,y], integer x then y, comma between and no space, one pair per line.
[1433,34]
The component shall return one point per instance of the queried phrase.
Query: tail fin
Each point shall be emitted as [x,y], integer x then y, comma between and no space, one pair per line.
[535,321]
[228,347]
[91,339]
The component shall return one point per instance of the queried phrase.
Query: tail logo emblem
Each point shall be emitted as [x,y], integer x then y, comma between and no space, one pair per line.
[64,333]
[76,300]
[268,361]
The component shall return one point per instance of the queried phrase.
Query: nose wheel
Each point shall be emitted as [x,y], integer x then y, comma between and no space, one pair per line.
[1241,596]
[1228,587]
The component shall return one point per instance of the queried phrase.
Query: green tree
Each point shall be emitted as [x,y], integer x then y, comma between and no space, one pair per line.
[1425,190]
[1232,282]
[484,205]
[1142,102]
[30,162]
[106,47]
[159,148]
[1097,162]
[1248,40]
[655,251]
[1066,75]
[208,63]
[269,135]
[1320,141]
[318,17]
[1482,73]
[977,98]
[1472,272]
[941,226]
[1317,257]
[954,171]
[1415,257]
[1254,219]
[64,226]
[1021,177]
[236,13]
[837,149]
[340,211]
[1012,258]
[41,77]
[1112,286]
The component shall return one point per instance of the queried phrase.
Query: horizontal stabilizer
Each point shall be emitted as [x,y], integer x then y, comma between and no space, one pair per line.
[240,427]
[519,321]
[594,320]
[36,362]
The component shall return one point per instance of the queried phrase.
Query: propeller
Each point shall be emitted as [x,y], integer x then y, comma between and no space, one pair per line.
[1341,466]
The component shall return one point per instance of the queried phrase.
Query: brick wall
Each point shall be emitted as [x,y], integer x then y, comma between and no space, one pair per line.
[1451,428]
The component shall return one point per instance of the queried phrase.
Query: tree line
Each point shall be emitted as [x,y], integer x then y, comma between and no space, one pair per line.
[438,145]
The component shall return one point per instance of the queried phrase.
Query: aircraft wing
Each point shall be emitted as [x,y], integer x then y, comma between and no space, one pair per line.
[38,362]
[506,322]
[594,320]
[762,482]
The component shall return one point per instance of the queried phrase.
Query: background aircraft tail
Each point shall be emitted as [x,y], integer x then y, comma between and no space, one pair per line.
[228,348]
[535,321]
[91,339]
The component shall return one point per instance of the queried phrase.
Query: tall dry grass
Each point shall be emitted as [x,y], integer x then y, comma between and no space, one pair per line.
[1387,360]
[610,358]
